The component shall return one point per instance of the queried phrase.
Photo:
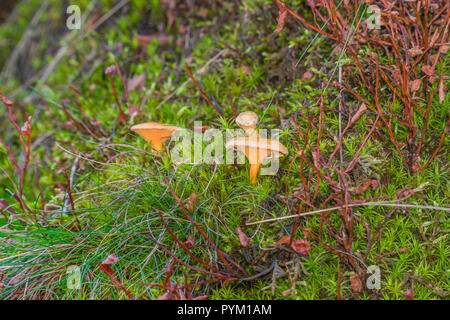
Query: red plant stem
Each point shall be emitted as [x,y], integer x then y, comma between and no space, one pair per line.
[201,91]
[187,265]
[124,84]
[69,192]
[219,252]
[27,152]
[119,105]
[352,163]
[80,107]
[427,115]
[11,157]
[294,228]
[36,176]
[183,246]
[117,282]
[441,140]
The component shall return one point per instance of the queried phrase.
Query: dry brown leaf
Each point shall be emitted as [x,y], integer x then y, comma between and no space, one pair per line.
[444,49]
[365,185]
[415,85]
[307,75]
[356,284]
[428,70]
[409,294]
[301,247]
[192,202]
[362,109]
[282,15]
[242,237]
[189,243]
[285,239]
[415,52]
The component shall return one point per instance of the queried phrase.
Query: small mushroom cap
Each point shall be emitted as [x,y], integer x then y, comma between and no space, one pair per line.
[247,119]
[155,132]
[274,147]
[154,126]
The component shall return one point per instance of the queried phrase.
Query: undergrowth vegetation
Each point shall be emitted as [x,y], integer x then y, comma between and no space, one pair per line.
[363,112]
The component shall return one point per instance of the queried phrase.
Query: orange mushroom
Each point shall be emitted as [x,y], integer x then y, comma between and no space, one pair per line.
[156,133]
[255,148]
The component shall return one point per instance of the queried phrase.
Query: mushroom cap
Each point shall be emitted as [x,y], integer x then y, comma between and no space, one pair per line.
[155,132]
[247,119]
[274,148]
[154,126]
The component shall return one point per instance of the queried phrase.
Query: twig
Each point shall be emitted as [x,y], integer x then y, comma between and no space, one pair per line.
[382,204]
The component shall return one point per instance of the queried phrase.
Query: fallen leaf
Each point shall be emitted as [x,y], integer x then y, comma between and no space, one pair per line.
[444,49]
[287,292]
[307,75]
[415,85]
[365,185]
[301,247]
[189,243]
[111,259]
[242,237]
[282,15]
[285,239]
[169,8]
[414,52]
[362,109]
[192,202]
[409,294]
[428,70]
[356,284]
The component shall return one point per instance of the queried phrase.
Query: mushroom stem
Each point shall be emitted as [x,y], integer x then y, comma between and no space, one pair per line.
[254,168]
[157,145]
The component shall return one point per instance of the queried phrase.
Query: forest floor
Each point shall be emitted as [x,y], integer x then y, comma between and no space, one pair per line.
[363,113]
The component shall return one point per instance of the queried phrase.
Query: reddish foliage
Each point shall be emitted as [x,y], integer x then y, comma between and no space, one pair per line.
[282,15]
[409,294]
[105,267]
[356,284]
[242,237]
[301,247]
